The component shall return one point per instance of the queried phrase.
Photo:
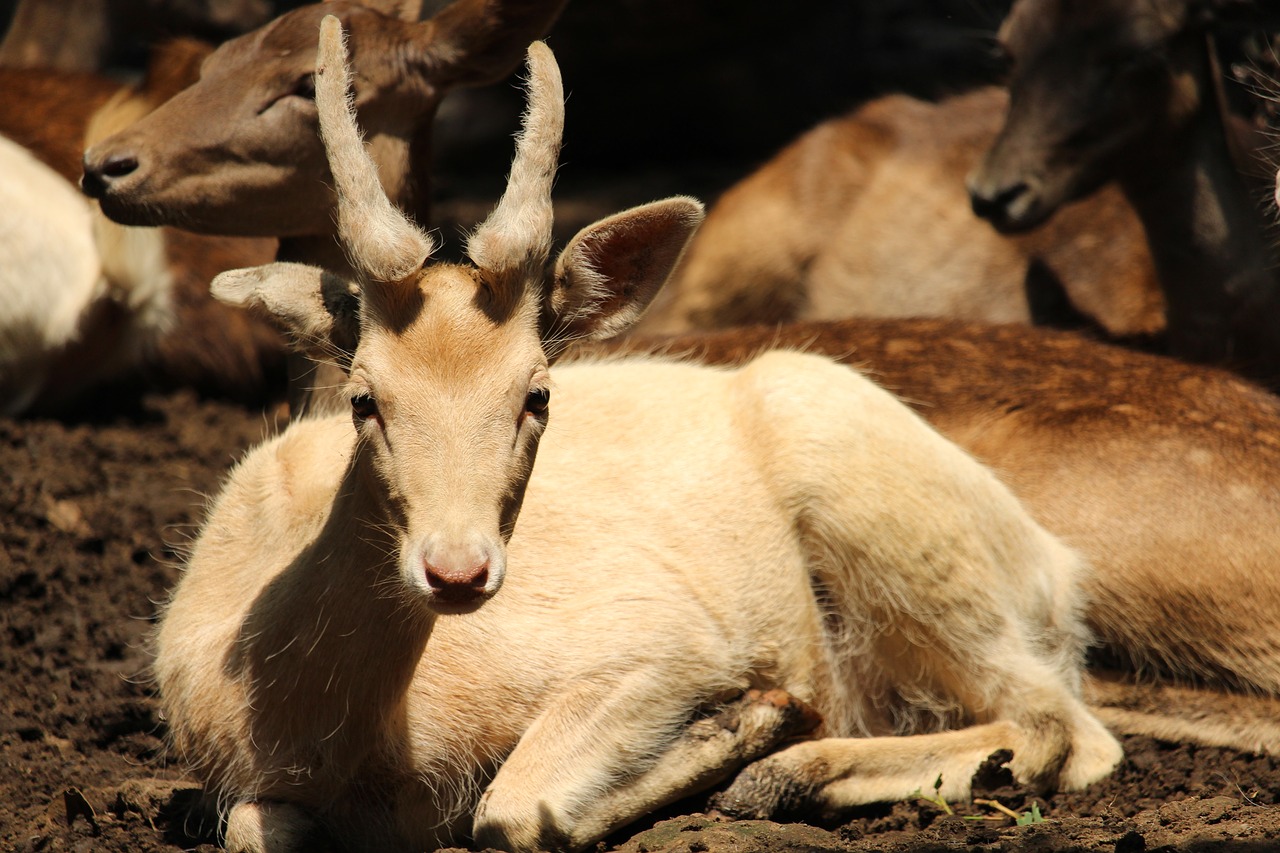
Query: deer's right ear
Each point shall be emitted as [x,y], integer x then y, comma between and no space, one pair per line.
[610,272]
[317,309]
[476,42]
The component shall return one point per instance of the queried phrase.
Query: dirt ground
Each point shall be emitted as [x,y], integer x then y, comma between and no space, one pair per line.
[95,513]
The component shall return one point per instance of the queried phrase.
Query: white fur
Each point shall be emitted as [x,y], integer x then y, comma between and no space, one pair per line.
[673,530]
[62,265]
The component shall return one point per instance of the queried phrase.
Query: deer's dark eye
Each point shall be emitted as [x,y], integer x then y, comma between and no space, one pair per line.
[363,406]
[305,87]
[537,401]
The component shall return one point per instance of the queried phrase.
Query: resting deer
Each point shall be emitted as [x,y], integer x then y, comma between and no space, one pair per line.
[1113,90]
[866,216]
[369,567]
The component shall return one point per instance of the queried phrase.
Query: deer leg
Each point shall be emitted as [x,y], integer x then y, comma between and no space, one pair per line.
[1058,744]
[527,808]
[267,827]
[705,755]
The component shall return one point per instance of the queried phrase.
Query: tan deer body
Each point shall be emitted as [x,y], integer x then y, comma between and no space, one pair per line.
[867,216]
[628,603]
[363,636]
[1166,476]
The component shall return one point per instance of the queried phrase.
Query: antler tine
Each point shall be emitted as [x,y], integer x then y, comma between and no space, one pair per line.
[515,241]
[382,244]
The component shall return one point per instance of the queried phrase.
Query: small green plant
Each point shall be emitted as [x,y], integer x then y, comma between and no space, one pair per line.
[1027,818]
[1030,817]
[935,798]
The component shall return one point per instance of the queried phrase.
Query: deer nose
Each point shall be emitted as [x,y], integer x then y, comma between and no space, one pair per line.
[457,581]
[996,204]
[98,176]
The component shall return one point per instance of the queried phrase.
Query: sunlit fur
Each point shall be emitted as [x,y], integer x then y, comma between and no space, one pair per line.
[688,533]
[664,554]
[380,241]
[867,215]
[516,238]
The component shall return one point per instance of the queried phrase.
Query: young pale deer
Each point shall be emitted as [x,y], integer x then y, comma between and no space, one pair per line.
[1111,90]
[866,566]
[866,216]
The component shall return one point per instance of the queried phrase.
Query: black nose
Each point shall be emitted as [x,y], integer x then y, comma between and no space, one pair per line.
[995,206]
[97,178]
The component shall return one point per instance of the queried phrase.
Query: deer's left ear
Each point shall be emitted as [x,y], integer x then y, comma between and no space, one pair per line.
[610,271]
[317,309]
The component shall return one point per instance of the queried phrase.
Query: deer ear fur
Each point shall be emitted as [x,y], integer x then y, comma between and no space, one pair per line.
[477,42]
[610,271]
[317,309]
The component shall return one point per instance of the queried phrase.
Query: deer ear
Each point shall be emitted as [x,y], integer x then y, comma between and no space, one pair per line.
[476,42]
[317,309]
[610,271]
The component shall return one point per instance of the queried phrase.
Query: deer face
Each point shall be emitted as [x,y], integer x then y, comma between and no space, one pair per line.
[449,379]
[1092,84]
[450,393]
[238,152]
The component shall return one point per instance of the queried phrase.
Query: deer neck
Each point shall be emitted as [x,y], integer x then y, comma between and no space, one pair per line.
[1207,240]
[330,646]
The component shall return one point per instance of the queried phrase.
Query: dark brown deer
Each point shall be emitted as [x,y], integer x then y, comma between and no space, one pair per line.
[867,216]
[1109,90]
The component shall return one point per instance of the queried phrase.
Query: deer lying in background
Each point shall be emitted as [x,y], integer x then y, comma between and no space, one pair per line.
[867,216]
[110,302]
[868,567]
[1112,90]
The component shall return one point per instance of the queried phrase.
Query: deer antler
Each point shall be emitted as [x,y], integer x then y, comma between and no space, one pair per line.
[514,243]
[381,242]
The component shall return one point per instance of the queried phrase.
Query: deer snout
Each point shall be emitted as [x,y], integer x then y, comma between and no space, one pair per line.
[1010,204]
[461,573]
[105,170]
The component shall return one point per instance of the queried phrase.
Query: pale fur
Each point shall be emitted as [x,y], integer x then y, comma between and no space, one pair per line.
[381,242]
[516,238]
[867,216]
[625,608]
[83,297]
[785,525]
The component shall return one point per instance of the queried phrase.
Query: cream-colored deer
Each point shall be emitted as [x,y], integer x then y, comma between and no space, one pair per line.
[338,654]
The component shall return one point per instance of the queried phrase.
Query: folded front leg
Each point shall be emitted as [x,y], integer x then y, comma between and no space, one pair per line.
[531,805]
[1066,751]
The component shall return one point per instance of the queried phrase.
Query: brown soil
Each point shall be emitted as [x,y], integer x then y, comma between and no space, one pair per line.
[93,519]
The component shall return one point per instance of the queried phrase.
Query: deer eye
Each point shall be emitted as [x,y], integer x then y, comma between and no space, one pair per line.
[363,407]
[305,87]
[537,401]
